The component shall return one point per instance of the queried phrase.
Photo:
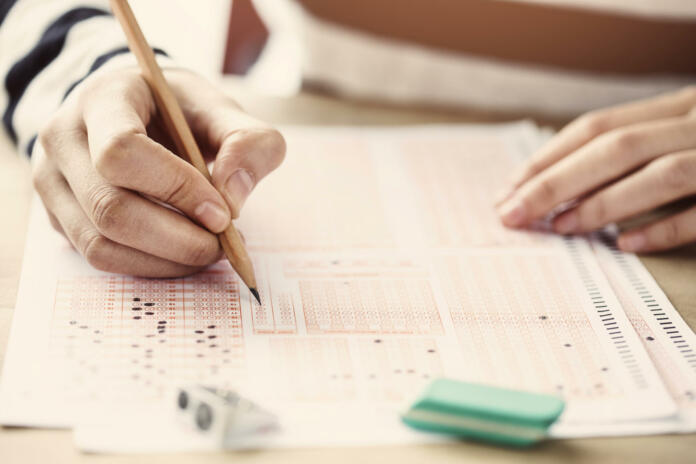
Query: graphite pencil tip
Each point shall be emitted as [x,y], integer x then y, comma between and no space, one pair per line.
[256,294]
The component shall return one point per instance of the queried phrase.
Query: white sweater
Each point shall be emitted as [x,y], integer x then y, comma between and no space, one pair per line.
[46,49]
[368,67]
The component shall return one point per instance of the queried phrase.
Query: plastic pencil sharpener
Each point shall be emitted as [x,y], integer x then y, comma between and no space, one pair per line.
[223,416]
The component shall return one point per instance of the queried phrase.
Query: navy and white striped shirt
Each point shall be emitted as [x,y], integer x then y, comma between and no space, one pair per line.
[46,49]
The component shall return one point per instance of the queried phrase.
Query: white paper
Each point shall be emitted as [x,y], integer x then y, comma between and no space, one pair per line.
[670,343]
[381,265]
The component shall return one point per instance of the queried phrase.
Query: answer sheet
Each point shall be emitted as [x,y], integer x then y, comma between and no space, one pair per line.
[381,265]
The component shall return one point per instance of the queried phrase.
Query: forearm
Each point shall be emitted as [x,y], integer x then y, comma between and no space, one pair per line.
[531,33]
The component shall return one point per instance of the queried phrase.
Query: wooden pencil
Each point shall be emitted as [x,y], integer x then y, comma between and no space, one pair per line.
[180,132]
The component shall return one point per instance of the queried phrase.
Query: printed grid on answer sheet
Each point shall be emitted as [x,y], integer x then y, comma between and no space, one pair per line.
[380,267]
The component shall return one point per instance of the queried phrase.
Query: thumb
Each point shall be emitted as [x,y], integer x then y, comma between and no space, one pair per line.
[245,157]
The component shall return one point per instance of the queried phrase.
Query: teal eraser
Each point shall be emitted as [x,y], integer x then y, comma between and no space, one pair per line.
[483,412]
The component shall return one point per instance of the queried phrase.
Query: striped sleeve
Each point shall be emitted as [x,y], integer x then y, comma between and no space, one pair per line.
[48,48]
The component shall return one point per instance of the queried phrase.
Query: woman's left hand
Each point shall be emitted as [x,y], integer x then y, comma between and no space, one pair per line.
[617,163]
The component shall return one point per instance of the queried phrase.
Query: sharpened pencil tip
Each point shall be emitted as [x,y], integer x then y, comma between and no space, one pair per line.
[256,294]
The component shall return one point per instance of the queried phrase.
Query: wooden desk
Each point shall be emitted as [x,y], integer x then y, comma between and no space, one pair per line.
[675,271]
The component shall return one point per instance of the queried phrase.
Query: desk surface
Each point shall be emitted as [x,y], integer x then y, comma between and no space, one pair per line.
[675,272]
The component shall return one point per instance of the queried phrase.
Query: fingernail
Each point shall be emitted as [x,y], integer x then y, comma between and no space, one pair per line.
[238,187]
[212,216]
[567,224]
[513,213]
[633,242]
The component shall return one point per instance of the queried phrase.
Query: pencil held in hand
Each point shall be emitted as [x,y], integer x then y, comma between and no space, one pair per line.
[181,134]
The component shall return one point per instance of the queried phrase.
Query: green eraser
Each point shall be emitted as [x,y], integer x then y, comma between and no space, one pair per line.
[483,412]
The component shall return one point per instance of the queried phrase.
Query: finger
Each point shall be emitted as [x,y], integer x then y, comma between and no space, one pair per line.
[595,164]
[124,216]
[671,232]
[99,251]
[54,221]
[245,157]
[664,180]
[593,124]
[42,172]
[125,156]
[245,149]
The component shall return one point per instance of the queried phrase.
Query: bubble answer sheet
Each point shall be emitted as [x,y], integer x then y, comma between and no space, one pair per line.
[381,265]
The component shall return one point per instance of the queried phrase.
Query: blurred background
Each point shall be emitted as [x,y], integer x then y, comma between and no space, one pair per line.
[552,57]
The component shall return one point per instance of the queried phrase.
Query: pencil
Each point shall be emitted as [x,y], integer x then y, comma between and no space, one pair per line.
[180,132]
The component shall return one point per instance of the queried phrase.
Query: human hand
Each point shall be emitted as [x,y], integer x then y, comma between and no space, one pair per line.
[108,176]
[617,163]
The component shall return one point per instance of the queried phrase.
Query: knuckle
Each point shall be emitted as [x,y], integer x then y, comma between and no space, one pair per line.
[92,85]
[176,191]
[265,144]
[675,174]
[47,136]
[107,206]
[277,147]
[115,83]
[111,156]
[60,133]
[624,142]
[40,175]
[594,123]
[94,248]
[545,191]
[199,253]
